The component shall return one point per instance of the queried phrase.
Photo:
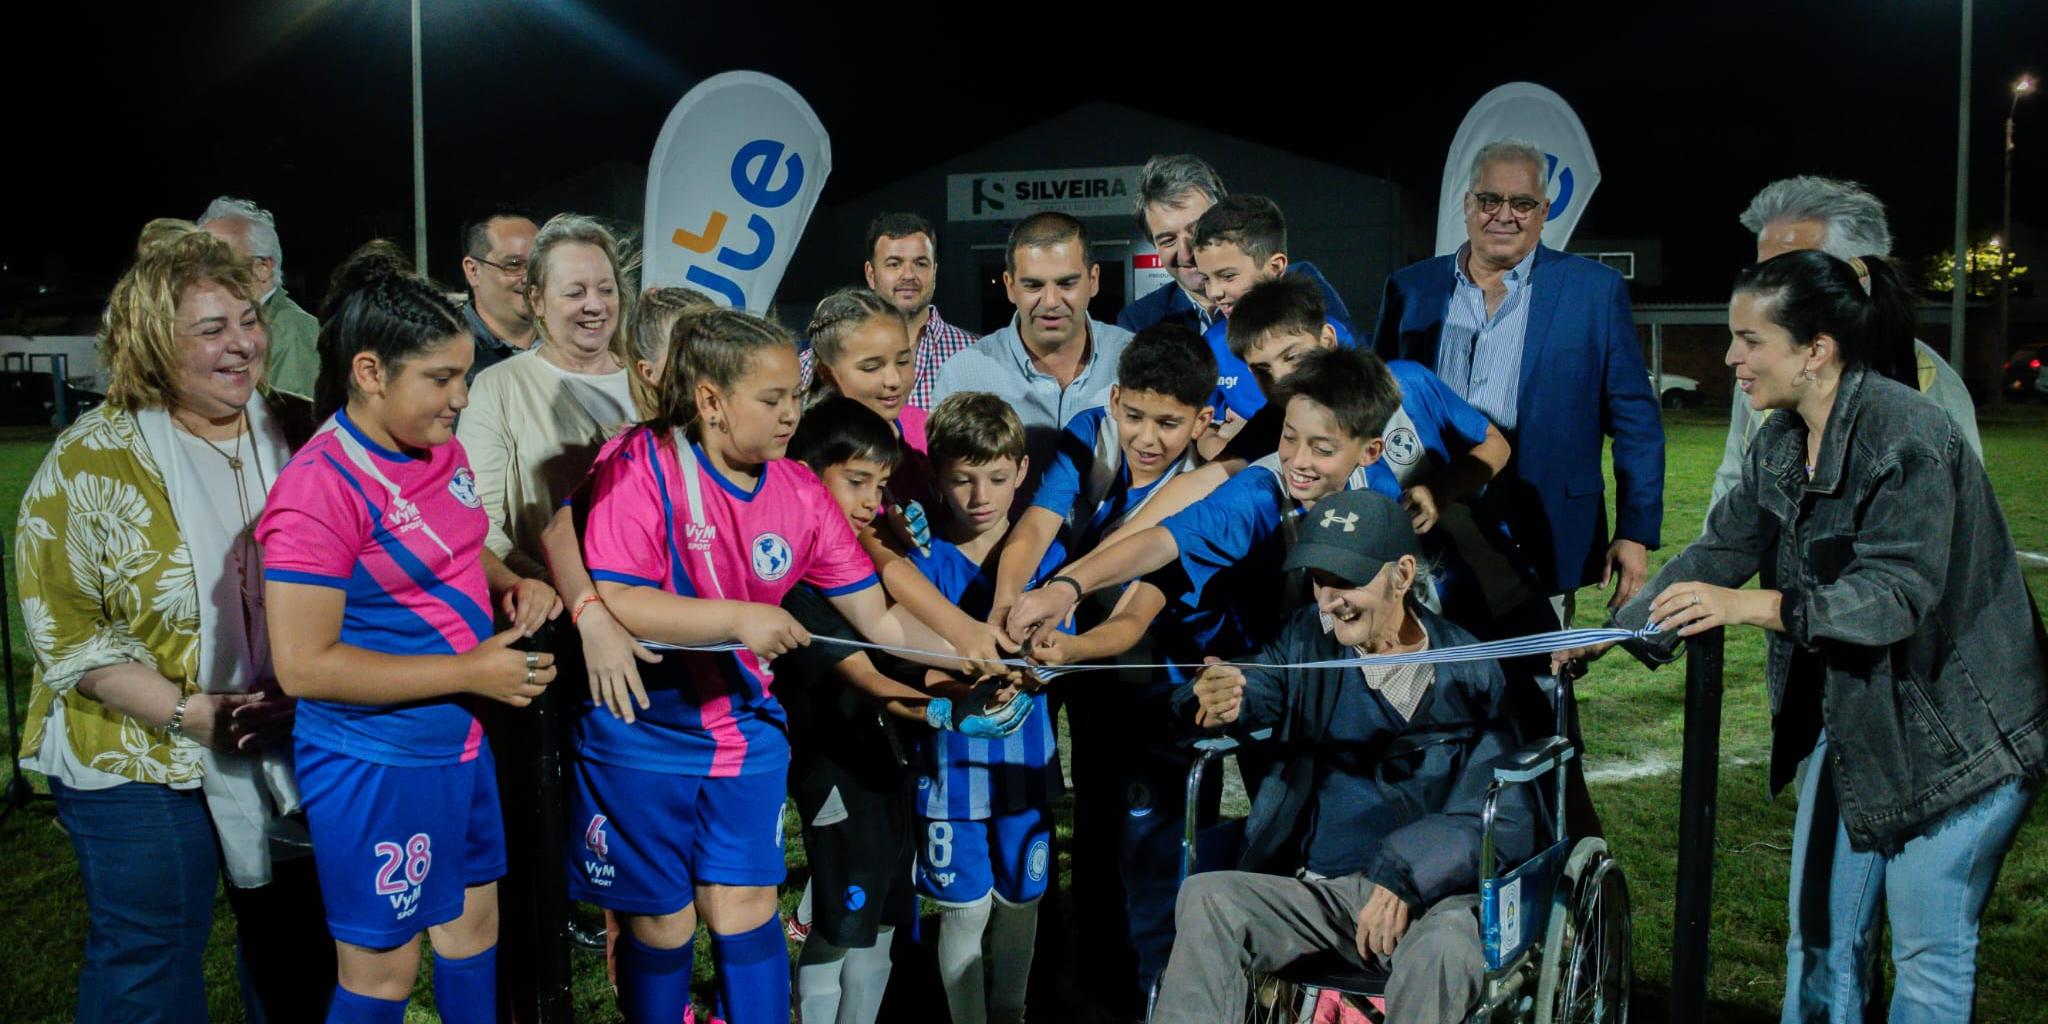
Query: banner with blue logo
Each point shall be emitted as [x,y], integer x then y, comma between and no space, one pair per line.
[1521,110]
[736,172]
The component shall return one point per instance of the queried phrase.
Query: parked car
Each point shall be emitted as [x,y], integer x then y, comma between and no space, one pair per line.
[2023,378]
[1679,391]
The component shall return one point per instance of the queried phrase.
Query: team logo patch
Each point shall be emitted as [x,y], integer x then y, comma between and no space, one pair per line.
[463,486]
[856,897]
[771,556]
[1138,798]
[1403,447]
[1035,861]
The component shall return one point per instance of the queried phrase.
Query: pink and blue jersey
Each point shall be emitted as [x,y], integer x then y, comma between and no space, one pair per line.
[400,537]
[661,517]
[968,778]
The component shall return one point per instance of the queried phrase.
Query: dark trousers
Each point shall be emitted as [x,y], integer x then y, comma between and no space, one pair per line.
[529,744]
[1130,783]
[287,957]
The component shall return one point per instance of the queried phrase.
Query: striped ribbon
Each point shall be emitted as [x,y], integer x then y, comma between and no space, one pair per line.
[1516,647]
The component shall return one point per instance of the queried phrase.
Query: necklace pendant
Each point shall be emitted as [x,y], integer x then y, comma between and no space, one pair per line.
[234,464]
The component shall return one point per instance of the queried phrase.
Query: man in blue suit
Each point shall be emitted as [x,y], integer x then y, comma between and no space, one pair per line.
[1543,343]
[1173,193]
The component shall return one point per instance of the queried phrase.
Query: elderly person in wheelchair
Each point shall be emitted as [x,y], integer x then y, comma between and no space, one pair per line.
[1364,840]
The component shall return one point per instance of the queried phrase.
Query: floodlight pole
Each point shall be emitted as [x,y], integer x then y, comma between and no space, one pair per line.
[1960,296]
[419,154]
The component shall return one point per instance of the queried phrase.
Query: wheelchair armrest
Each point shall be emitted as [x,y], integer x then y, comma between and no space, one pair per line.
[1216,746]
[1536,759]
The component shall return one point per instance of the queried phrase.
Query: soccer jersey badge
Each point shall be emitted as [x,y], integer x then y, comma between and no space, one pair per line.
[771,556]
[1403,447]
[463,486]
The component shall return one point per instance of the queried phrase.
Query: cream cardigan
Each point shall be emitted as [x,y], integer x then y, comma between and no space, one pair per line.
[532,430]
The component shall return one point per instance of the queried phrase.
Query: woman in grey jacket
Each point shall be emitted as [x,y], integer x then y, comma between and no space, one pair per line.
[1905,652]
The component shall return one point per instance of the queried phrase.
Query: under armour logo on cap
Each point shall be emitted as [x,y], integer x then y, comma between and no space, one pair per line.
[1349,519]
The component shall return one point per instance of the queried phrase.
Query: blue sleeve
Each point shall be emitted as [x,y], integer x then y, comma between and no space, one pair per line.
[1455,425]
[1237,391]
[1221,530]
[1059,486]
[1633,418]
[1128,319]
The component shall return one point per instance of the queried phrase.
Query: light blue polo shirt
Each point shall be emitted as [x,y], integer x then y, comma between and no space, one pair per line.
[1000,365]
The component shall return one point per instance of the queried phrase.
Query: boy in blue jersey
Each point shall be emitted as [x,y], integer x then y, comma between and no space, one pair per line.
[984,805]
[848,772]
[1222,554]
[1240,243]
[1108,464]
[1439,449]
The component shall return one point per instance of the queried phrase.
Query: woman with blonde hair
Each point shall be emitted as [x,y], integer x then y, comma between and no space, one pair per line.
[155,713]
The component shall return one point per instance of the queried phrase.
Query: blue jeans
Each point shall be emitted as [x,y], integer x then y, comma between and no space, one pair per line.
[1936,886]
[147,857]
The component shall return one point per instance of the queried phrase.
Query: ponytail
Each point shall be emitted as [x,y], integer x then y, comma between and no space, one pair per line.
[1863,304]
[376,304]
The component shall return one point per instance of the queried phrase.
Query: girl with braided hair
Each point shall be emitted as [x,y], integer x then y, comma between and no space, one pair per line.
[380,596]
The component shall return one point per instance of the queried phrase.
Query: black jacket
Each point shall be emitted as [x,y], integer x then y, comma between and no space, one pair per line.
[1432,775]
[1909,632]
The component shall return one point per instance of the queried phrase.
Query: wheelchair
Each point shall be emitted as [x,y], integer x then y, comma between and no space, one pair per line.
[1555,928]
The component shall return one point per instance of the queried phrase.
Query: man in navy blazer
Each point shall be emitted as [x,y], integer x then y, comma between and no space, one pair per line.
[1544,344]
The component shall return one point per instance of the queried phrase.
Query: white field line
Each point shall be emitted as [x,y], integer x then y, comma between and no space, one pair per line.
[2033,559]
[1651,766]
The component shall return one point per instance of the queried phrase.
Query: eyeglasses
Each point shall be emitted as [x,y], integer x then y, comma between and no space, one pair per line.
[1490,203]
[509,268]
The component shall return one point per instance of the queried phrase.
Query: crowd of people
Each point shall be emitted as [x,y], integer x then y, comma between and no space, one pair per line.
[309,600]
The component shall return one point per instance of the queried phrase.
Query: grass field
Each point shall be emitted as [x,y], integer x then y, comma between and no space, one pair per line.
[1632,718]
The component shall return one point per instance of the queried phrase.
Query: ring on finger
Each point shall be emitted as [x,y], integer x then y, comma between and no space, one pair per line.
[532,660]
[532,675]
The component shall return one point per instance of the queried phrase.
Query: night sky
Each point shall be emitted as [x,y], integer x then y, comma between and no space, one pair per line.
[115,117]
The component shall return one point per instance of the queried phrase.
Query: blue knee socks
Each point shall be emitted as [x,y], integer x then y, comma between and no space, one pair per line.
[356,1008]
[654,984]
[753,974]
[466,990]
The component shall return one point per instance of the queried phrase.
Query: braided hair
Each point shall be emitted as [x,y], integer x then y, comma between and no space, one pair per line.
[836,319]
[376,304]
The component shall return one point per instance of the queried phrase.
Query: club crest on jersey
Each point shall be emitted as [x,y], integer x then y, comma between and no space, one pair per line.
[1403,447]
[463,486]
[1035,862]
[771,556]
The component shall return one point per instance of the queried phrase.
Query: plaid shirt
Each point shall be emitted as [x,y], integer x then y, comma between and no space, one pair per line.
[938,342]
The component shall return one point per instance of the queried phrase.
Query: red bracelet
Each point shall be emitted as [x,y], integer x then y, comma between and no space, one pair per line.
[576,613]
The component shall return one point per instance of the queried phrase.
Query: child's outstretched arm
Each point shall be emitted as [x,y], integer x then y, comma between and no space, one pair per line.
[1174,495]
[1140,604]
[1465,475]
[655,614]
[609,651]
[1106,566]
[1018,558]
[312,662]
[980,642]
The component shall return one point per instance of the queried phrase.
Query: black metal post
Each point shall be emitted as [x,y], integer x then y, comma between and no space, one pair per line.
[1697,795]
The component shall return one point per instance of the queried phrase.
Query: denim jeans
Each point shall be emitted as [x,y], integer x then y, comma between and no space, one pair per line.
[147,857]
[1936,886]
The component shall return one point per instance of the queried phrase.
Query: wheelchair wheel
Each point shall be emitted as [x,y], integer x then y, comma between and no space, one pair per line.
[1595,957]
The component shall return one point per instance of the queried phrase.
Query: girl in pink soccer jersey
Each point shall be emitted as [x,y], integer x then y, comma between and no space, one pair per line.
[380,612]
[697,528]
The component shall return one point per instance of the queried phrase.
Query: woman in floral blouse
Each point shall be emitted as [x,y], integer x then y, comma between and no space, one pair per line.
[155,715]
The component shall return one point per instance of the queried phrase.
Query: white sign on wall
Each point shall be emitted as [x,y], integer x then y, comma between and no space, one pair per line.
[1015,195]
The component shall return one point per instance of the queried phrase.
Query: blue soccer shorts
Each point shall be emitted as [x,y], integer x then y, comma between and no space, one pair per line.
[641,842]
[959,862]
[396,846]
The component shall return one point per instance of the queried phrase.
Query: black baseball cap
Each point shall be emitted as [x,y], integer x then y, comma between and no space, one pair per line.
[1351,535]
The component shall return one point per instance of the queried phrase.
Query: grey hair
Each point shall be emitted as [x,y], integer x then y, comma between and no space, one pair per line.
[1503,150]
[1854,219]
[1166,178]
[262,230]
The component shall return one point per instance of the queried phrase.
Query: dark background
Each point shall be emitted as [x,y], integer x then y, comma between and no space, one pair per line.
[118,113]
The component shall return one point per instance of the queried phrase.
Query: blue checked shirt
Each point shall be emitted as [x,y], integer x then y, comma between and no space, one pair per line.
[1480,356]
